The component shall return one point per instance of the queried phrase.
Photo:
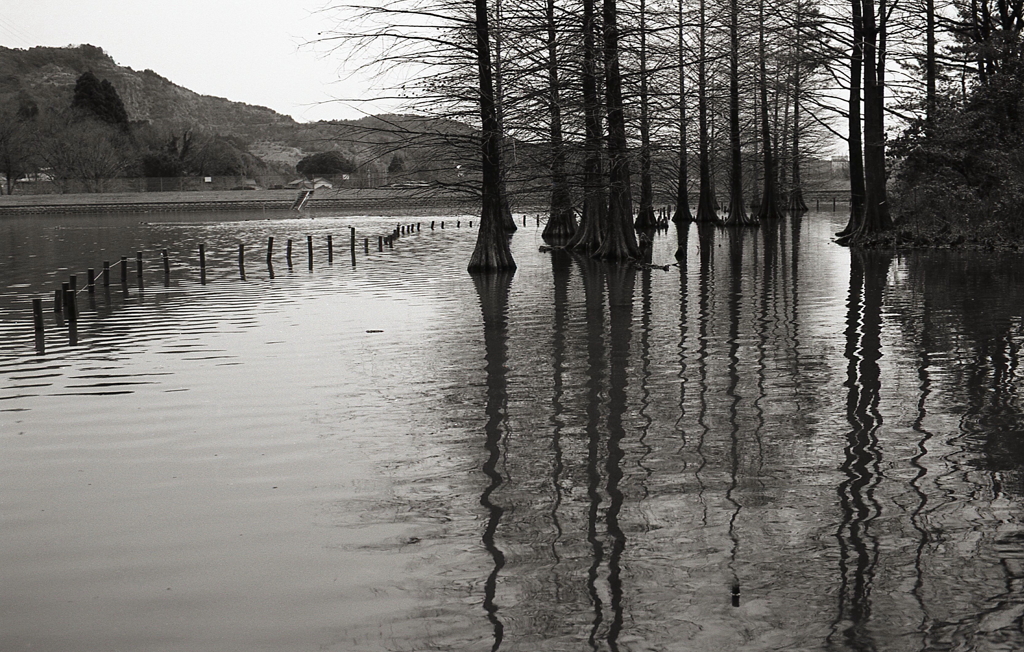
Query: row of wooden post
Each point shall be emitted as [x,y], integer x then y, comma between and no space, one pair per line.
[65,298]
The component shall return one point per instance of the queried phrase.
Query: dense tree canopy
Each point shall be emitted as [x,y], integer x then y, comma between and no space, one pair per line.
[99,99]
[325,163]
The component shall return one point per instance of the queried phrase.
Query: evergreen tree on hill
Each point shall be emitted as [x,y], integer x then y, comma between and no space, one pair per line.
[99,98]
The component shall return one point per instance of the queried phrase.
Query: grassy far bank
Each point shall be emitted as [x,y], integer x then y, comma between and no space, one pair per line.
[354,198]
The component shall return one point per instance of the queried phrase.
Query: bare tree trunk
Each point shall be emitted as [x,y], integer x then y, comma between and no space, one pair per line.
[561,222]
[856,149]
[645,215]
[706,211]
[796,194]
[589,235]
[499,110]
[876,205]
[618,238]
[682,191]
[769,209]
[737,212]
[930,71]
[492,252]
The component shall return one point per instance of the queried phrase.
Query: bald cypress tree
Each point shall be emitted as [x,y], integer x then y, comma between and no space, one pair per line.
[492,251]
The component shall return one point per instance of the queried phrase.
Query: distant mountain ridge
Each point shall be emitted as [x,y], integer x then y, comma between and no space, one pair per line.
[47,75]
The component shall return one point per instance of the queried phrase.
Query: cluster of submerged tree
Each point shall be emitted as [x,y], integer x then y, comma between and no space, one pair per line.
[554,73]
[607,225]
[565,69]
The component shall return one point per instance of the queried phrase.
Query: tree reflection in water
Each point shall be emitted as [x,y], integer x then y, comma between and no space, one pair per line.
[858,545]
[713,473]
[493,292]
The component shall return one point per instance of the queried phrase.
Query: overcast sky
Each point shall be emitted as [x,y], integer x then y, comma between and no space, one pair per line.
[253,51]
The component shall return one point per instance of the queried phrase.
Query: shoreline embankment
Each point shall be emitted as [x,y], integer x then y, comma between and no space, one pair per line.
[348,199]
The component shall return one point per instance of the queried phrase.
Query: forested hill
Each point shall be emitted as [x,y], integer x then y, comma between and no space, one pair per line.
[47,75]
[251,139]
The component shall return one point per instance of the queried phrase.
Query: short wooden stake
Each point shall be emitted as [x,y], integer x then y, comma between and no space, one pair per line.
[352,239]
[270,248]
[106,273]
[288,252]
[70,303]
[471,224]
[37,314]
[417,226]
[524,220]
[380,243]
[330,249]
[431,225]
[90,280]
[202,263]
[442,224]
[309,250]
[458,224]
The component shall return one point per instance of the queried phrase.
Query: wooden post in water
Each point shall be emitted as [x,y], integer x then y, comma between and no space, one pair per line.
[138,263]
[417,226]
[380,243]
[309,251]
[37,322]
[70,303]
[124,270]
[288,252]
[833,204]
[37,314]
[58,300]
[458,224]
[391,243]
[73,282]
[202,263]
[330,249]
[431,225]
[352,241]
[442,224]
[817,204]
[366,245]
[90,280]
[524,220]
[270,249]
[106,273]
[167,262]
[471,224]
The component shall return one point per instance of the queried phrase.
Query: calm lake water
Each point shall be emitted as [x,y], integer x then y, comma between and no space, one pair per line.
[778,444]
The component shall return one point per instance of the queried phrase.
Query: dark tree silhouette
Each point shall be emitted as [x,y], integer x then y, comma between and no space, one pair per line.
[618,240]
[492,251]
[100,99]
